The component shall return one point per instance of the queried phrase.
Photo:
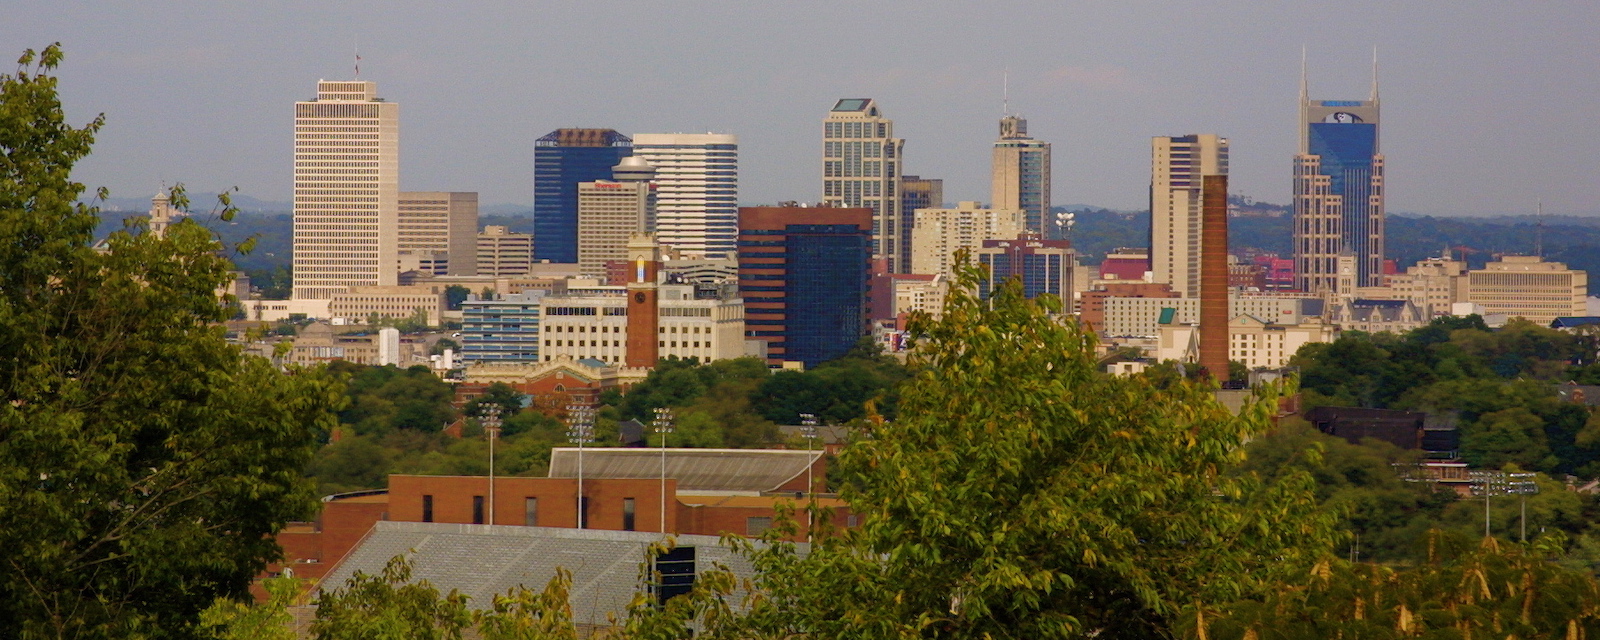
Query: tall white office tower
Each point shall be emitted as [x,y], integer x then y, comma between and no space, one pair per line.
[346,190]
[861,163]
[1177,164]
[612,212]
[439,231]
[697,190]
[1021,176]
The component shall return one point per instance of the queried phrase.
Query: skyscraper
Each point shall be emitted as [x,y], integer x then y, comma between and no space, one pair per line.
[1176,166]
[346,190]
[1338,190]
[1022,173]
[861,162]
[917,192]
[562,159]
[611,212]
[938,233]
[697,190]
[435,223]
[803,276]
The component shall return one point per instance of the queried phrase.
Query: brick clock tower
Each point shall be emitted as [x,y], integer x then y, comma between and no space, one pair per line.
[644,314]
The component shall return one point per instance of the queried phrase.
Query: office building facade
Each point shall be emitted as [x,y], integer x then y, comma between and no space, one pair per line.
[917,192]
[1528,287]
[1043,266]
[803,274]
[861,163]
[440,223]
[1021,174]
[697,190]
[561,160]
[503,252]
[938,233]
[1177,164]
[503,329]
[346,190]
[1338,192]
[612,211]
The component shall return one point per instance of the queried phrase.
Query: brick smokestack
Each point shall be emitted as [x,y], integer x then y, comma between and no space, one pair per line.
[1214,276]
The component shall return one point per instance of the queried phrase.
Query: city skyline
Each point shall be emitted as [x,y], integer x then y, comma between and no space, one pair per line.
[1096,81]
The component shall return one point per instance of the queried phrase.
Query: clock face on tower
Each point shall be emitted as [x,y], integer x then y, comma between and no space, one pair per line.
[638,297]
[1342,117]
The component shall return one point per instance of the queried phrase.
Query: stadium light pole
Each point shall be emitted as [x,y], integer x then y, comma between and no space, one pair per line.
[491,428]
[663,426]
[808,430]
[580,419]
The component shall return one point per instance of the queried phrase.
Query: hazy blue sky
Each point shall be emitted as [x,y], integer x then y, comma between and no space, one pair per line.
[1488,106]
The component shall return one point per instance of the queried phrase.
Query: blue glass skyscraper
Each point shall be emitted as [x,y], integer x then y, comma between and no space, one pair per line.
[1338,192]
[562,159]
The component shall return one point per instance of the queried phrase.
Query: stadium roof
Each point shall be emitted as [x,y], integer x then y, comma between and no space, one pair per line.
[734,471]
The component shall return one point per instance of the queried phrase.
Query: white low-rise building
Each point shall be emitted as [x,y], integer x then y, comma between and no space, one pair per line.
[696,321]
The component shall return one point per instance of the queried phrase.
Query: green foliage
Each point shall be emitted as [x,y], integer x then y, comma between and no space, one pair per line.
[837,392]
[454,295]
[1385,514]
[1024,493]
[1499,383]
[1460,590]
[439,346]
[384,399]
[234,620]
[390,606]
[144,462]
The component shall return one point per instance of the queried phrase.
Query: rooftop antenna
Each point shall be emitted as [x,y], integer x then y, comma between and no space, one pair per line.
[358,57]
[1005,91]
[1538,233]
[1305,93]
[1374,73]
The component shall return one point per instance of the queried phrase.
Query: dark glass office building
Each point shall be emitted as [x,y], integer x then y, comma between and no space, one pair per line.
[1044,266]
[803,274]
[562,159]
[1338,189]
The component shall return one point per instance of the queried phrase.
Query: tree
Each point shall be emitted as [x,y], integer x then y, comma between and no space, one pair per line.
[1024,493]
[145,463]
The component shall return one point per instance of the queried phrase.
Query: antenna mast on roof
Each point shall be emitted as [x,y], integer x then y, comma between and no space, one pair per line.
[1538,233]
[358,57]
[1005,91]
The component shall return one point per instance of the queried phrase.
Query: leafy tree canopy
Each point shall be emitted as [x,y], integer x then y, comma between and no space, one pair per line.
[144,462]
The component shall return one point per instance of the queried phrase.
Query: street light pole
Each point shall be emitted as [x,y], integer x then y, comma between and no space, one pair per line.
[663,425]
[491,428]
[581,421]
[808,430]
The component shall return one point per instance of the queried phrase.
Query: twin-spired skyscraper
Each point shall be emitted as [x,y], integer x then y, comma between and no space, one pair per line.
[1338,191]
[346,190]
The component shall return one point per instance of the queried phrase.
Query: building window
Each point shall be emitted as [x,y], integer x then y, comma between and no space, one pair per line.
[530,512]
[427,508]
[477,509]
[757,525]
[627,514]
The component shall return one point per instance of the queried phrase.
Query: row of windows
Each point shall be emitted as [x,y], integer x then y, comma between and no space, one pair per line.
[855,129]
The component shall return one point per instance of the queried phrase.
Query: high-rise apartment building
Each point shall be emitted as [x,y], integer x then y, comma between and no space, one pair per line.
[697,190]
[562,159]
[917,192]
[435,223]
[503,252]
[346,190]
[861,162]
[1022,174]
[1176,166]
[803,275]
[1338,191]
[938,233]
[612,211]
